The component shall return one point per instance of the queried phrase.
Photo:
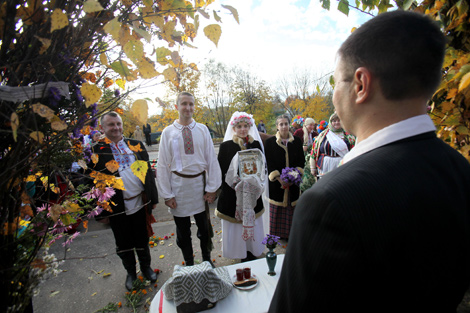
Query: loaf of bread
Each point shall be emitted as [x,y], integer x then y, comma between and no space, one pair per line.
[246,282]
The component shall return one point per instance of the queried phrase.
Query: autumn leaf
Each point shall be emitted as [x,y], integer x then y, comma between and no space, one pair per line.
[213,32]
[176,57]
[91,6]
[119,111]
[104,59]
[108,82]
[134,49]
[58,124]
[85,224]
[170,74]
[121,83]
[112,166]
[46,43]
[15,122]
[113,28]
[94,158]
[139,168]
[59,20]
[162,53]
[140,110]
[464,82]
[37,135]
[233,11]
[91,93]
[43,110]
[71,206]
[136,148]
[216,17]
[106,274]
[117,183]
[162,256]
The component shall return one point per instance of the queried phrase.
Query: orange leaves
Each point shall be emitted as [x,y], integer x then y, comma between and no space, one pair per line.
[102,180]
[108,82]
[136,148]
[112,166]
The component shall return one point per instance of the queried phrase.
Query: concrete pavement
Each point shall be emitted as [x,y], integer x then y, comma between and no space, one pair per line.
[93,276]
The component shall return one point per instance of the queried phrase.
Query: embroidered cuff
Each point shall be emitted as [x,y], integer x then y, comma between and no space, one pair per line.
[273,175]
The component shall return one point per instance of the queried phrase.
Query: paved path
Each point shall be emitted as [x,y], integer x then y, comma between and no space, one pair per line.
[82,286]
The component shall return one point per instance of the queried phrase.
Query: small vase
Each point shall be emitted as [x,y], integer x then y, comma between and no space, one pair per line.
[271,259]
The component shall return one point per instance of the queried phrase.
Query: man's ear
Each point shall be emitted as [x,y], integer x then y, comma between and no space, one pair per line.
[362,84]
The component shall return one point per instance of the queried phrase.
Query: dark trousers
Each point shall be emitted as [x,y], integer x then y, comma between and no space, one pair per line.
[183,235]
[130,231]
[148,140]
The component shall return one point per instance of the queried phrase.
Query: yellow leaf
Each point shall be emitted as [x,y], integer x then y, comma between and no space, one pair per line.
[45,44]
[94,294]
[38,136]
[140,110]
[59,20]
[353,29]
[85,224]
[54,293]
[106,274]
[136,148]
[139,168]
[71,207]
[121,83]
[233,11]
[464,82]
[162,256]
[15,122]
[213,32]
[43,110]
[58,124]
[193,66]
[91,6]
[162,53]
[91,93]
[112,166]
[113,28]
[134,49]
[104,59]
[94,158]
[146,68]
[31,178]
[99,272]
[170,74]
[452,93]
[117,183]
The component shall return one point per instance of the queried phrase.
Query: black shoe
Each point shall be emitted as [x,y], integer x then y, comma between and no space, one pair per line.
[149,274]
[130,281]
[189,262]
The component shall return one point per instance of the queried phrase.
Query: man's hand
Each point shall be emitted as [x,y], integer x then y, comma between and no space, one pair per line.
[284,184]
[209,197]
[171,203]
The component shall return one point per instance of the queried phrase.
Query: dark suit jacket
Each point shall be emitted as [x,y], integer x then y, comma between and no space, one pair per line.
[388,231]
[105,155]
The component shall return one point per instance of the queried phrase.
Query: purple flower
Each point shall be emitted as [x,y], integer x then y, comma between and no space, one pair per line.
[54,95]
[117,93]
[270,241]
[291,175]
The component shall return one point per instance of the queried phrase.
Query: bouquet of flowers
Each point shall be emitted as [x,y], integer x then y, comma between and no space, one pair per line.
[271,241]
[291,175]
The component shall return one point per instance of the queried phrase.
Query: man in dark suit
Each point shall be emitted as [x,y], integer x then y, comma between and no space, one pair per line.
[389,230]
[131,217]
[147,130]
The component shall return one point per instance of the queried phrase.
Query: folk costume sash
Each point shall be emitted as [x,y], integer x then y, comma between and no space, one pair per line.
[337,143]
[210,230]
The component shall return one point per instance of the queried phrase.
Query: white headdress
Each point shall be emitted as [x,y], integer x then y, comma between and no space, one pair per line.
[238,117]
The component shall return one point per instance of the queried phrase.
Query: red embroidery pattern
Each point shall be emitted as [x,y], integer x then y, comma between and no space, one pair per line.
[188,141]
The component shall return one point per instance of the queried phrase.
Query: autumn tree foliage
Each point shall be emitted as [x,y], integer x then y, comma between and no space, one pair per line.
[450,106]
[56,57]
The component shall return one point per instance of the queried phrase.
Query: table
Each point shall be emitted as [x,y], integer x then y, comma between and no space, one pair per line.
[253,301]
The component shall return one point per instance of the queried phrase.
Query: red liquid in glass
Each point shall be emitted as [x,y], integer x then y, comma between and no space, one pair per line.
[247,272]
[239,272]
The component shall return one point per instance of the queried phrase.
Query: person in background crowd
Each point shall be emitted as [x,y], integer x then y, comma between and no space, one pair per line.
[240,135]
[330,147]
[147,131]
[388,230]
[188,176]
[309,133]
[283,150]
[261,126]
[132,213]
[138,134]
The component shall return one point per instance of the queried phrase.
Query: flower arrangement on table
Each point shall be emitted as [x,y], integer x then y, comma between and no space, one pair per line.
[271,241]
[291,175]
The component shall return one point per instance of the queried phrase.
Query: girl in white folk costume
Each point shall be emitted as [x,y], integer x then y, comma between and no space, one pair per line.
[244,223]
[330,147]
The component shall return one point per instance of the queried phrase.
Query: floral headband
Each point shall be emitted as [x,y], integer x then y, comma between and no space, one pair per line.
[242,118]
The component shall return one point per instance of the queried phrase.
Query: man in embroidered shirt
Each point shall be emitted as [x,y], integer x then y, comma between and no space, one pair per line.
[188,176]
[389,230]
[131,216]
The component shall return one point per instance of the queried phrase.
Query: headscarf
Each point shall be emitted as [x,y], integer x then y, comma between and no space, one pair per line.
[330,125]
[238,117]
[308,121]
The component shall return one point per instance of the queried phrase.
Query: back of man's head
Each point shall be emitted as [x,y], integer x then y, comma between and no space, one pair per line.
[404,50]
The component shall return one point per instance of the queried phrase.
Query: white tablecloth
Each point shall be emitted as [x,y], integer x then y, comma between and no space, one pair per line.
[256,300]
